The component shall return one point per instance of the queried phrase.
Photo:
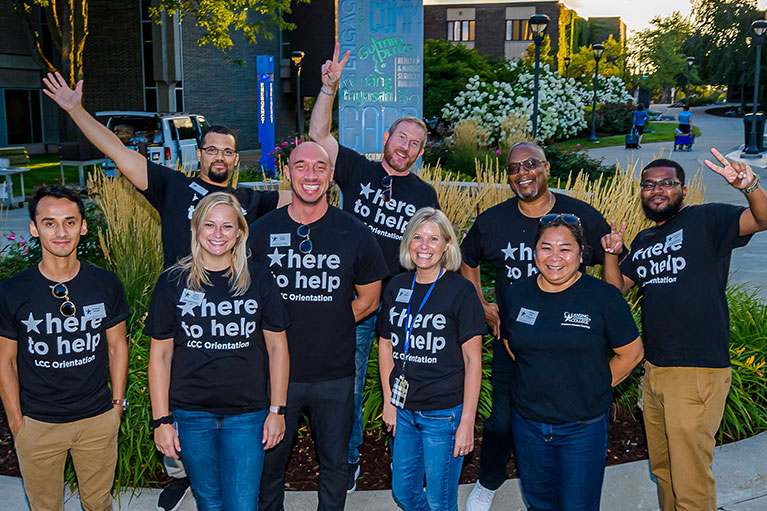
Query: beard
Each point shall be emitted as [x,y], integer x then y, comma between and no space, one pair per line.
[665,214]
[389,157]
[216,176]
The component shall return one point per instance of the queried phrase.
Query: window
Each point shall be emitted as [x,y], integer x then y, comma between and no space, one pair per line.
[460,30]
[518,30]
[185,128]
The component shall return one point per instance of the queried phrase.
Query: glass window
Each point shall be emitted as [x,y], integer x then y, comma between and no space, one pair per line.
[185,128]
[460,30]
[518,30]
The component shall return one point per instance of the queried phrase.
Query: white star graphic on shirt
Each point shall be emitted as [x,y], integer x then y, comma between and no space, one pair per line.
[187,308]
[366,190]
[31,323]
[508,252]
[275,258]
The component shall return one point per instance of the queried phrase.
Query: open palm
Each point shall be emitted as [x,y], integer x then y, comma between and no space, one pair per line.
[58,90]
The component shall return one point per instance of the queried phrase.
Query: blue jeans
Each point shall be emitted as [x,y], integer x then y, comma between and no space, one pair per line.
[561,466]
[365,332]
[423,447]
[224,457]
[497,440]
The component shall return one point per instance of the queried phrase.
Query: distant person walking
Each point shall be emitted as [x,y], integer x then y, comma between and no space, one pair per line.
[640,117]
[685,120]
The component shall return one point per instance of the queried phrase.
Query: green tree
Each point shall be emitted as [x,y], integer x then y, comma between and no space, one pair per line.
[220,18]
[547,57]
[612,62]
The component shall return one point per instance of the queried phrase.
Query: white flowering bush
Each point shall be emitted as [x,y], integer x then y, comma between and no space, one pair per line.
[560,107]
[611,90]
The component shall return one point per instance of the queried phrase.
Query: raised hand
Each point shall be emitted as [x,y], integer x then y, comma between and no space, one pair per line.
[739,174]
[332,69]
[613,243]
[58,90]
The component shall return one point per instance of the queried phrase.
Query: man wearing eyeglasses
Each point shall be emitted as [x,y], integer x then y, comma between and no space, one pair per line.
[62,328]
[681,266]
[329,269]
[384,195]
[504,237]
[173,194]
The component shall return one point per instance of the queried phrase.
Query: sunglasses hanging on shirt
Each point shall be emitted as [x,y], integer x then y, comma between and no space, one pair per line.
[386,182]
[306,245]
[61,292]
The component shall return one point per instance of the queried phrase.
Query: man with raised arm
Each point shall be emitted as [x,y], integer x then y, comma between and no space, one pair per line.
[329,268]
[504,237]
[173,194]
[62,331]
[384,195]
[681,266]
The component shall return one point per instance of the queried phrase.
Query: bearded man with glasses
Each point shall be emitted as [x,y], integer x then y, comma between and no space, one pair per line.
[504,237]
[681,266]
[62,328]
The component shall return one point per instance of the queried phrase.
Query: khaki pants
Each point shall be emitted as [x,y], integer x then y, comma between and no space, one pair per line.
[42,451]
[683,407]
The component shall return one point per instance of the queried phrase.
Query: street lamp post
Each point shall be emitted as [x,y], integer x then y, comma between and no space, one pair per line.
[758,27]
[297,57]
[567,66]
[538,24]
[690,62]
[598,49]
[743,87]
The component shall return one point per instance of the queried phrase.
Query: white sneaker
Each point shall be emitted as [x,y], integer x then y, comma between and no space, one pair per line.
[480,498]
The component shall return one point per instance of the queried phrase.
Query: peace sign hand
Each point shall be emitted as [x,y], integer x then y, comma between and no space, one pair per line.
[738,173]
[332,69]
[613,243]
[58,90]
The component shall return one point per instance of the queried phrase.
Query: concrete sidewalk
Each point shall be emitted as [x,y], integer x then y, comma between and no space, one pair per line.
[740,469]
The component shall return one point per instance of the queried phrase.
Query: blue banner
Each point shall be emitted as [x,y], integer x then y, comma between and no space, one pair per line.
[383,79]
[265,71]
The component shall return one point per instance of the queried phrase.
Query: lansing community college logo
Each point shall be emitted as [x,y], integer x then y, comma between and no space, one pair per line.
[576,319]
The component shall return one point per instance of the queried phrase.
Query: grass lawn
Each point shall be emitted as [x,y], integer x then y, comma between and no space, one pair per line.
[45,169]
[661,132]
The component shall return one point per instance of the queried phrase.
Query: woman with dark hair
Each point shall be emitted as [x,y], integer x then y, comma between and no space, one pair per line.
[640,118]
[218,362]
[430,360]
[559,327]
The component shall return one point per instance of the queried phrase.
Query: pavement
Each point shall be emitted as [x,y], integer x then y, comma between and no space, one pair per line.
[740,468]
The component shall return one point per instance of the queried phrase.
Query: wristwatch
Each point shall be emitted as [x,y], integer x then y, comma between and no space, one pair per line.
[156,423]
[279,410]
[121,402]
[753,186]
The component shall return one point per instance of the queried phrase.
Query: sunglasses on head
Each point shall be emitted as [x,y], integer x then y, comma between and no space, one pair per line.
[61,292]
[306,245]
[566,218]
[530,164]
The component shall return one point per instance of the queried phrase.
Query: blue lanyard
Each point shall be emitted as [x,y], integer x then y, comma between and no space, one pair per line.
[411,320]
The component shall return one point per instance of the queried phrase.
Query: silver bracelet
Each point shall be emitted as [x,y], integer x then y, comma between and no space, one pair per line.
[753,186]
[322,90]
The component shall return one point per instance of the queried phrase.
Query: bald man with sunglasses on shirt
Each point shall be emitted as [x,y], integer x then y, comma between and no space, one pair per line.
[504,237]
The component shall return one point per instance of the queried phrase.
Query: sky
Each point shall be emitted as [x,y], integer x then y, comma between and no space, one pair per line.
[636,14]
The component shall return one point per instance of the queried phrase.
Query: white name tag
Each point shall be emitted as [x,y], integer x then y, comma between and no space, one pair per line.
[675,238]
[527,316]
[95,311]
[404,295]
[197,188]
[192,297]
[279,240]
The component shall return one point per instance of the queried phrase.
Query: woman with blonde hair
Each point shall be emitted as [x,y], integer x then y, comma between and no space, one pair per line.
[430,360]
[217,323]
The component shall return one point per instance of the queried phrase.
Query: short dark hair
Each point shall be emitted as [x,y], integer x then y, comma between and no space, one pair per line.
[686,107]
[663,162]
[57,192]
[221,130]
[640,106]
[575,229]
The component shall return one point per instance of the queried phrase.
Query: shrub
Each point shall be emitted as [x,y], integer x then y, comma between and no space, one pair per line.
[563,162]
[615,117]
[612,89]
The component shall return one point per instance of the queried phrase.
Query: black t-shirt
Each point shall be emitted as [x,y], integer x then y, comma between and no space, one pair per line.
[220,363]
[681,268]
[318,287]
[174,196]
[360,183]
[505,238]
[62,362]
[451,316]
[561,343]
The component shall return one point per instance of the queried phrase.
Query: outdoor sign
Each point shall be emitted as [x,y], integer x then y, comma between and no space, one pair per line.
[265,71]
[383,79]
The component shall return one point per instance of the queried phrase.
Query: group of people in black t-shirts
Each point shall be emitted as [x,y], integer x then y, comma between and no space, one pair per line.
[267,307]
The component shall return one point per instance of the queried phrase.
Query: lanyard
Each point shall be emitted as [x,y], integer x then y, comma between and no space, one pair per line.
[410,319]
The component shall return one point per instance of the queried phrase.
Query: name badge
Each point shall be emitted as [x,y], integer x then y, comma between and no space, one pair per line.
[527,316]
[279,240]
[404,295]
[675,238]
[95,311]
[192,297]
[197,188]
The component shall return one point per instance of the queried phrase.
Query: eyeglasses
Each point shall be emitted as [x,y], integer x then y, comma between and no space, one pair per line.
[213,151]
[67,308]
[306,245]
[386,182]
[567,218]
[530,164]
[664,184]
